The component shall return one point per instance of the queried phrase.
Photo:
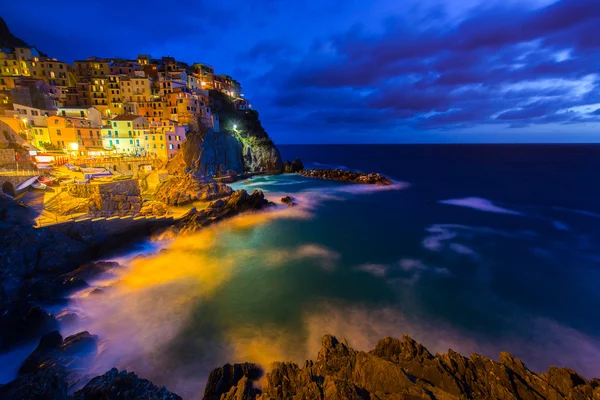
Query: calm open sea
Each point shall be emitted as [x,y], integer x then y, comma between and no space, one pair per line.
[478,248]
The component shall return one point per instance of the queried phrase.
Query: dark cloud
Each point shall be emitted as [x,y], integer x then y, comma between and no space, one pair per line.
[319,66]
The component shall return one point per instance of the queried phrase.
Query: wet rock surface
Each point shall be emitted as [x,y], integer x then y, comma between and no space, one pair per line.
[347,176]
[188,188]
[156,208]
[289,200]
[399,369]
[240,201]
[295,166]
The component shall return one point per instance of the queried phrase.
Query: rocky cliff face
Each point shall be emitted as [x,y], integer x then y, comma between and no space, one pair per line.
[398,369]
[233,150]
[187,188]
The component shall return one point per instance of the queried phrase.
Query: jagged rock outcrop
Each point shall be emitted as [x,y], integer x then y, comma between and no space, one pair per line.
[187,188]
[403,369]
[123,386]
[347,176]
[233,382]
[240,201]
[292,167]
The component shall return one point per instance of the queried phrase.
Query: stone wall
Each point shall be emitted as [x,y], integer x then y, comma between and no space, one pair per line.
[7,156]
[110,198]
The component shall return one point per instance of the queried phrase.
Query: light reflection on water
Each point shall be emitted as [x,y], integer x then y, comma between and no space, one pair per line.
[265,287]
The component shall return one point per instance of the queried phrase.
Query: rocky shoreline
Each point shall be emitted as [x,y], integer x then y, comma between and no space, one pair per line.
[397,369]
[394,369]
[347,176]
[42,266]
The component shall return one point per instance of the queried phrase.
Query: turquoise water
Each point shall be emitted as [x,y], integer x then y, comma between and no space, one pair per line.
[475,248]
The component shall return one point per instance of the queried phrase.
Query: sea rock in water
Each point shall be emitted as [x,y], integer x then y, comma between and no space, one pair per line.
[292,167]
[404,369]
[347,176]
[288,200]
[122,385]
[187,188]
[239,202]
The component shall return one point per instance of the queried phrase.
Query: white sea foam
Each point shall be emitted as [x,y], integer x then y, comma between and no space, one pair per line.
[477,203]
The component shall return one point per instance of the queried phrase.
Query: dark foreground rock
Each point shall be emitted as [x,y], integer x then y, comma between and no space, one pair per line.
[239,202]
[399,369]
[187,188]
[347,176]
[50,383]
[122,386]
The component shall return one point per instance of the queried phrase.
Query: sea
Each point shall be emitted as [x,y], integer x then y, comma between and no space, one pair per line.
[477,248]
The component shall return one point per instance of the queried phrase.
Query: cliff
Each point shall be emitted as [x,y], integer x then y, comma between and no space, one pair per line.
[241,145]
[397,369]
[8,40]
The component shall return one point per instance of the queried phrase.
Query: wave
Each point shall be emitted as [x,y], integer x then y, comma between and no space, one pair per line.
[478,203]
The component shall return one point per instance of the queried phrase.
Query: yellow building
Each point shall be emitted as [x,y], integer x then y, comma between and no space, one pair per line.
[62,134]
[136,89]
[92,67]
[115,100]
[125,133]
[40,136]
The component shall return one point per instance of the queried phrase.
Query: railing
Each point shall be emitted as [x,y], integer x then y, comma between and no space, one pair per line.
[20,172]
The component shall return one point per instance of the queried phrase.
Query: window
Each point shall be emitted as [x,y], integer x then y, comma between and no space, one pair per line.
[117,141]
[129,124]
[78,132]
[82,113]
[58,132]
[131,141]
[115,124]
[56,121]
[171,146]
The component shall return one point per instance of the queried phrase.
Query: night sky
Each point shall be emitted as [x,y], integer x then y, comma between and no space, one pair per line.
[381,71]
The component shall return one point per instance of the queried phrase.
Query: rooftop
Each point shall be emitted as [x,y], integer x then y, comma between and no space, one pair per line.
[126,117]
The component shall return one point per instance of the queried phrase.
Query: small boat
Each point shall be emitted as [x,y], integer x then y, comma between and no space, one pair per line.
[101,174]
[72,167]
[26,184]
[38,185]
[46,180]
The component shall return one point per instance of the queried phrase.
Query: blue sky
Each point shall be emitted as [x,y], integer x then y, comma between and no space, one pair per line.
[380,71]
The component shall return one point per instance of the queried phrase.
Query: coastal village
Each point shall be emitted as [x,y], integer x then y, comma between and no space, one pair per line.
[96,134]
[112,107]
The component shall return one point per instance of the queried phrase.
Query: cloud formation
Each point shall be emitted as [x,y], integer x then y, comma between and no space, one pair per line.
[379,71]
